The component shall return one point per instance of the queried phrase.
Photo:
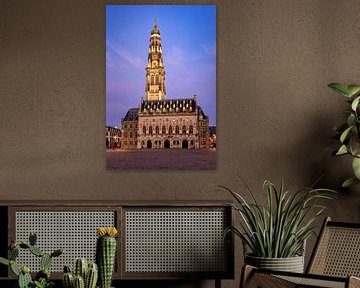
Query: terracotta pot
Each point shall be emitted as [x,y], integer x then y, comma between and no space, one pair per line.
[291,264]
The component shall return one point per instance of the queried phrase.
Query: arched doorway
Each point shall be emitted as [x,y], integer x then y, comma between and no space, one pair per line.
[185,144]
[166,144]
[148,144]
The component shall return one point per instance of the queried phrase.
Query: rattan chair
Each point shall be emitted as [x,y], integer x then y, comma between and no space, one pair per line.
[334,263]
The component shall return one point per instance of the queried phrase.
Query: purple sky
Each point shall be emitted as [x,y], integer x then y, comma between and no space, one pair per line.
[188,34]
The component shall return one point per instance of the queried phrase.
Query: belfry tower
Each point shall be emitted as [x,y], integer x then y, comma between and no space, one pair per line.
[155,73]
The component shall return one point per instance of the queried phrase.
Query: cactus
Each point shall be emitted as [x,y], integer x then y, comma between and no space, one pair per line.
[24,245]
[42,278]
[57,252]
[105,254]
[68,280]
[88,273]
[32,238]
[44,273]
[13,253]
[67,269]
[14,268]
[45,261]
[79,282]
[36,251]
[80,267]
[91,276]
[24,280]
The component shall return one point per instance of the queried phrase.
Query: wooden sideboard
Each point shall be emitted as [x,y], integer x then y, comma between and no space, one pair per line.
[157,240]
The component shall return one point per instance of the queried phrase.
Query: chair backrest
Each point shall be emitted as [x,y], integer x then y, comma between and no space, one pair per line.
[337,251]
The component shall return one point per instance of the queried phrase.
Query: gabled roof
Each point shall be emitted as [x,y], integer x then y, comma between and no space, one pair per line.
[201,113]
[132,114]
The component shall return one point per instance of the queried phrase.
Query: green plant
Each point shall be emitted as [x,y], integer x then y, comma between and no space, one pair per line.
[85,275]
[105,254]
[79,282]
[348,132]
[279,229]
[42,278]
[81,267]
[43,283]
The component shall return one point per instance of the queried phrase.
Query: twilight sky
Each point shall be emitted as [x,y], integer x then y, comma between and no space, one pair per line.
[188,36]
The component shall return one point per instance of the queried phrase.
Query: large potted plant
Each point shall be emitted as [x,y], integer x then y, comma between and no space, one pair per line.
[275,233]
[348,132]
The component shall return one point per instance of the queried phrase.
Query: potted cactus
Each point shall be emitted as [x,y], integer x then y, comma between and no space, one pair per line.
[106,254]
[85,275]
[42,278]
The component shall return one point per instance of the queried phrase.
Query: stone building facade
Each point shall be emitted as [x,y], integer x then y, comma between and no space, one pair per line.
[159,122]
[129,129]
[113,137]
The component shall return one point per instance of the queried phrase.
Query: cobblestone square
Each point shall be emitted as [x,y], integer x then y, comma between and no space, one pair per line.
[161,159]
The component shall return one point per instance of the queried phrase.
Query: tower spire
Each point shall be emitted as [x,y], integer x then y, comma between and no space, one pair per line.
[155,72]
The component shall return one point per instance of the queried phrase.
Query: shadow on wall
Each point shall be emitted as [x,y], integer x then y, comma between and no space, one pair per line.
[309,154]
[312,157]
[335,170]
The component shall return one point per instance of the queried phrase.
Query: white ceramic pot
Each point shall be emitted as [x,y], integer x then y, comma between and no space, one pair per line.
[291,264]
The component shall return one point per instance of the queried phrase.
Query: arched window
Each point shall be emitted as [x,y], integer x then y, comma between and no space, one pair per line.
[177,130]
[144,130]
[152,79]
[170,130]
[191,129]
[150,130]
[157,79]
[157,130]
[163,130]
[183,130]
[131,134]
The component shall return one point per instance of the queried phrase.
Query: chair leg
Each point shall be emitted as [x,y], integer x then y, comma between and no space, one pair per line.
[246,273]
[250,278]
[354,282]
[217,283]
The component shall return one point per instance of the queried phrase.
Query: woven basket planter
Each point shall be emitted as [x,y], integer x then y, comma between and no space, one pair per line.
[291,264]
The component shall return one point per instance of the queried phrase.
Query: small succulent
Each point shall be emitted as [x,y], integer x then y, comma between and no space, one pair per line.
[42,283]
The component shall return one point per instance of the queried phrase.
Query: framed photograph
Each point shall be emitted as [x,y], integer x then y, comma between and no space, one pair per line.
[161,87]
